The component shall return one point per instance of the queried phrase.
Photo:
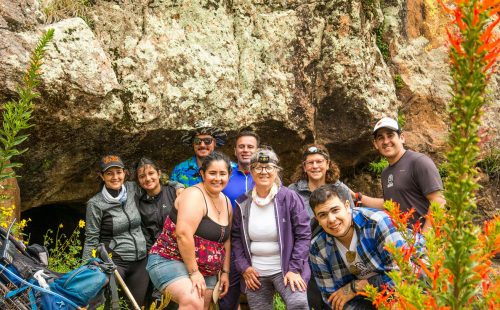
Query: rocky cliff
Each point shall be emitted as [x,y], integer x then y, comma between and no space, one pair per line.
[132,76]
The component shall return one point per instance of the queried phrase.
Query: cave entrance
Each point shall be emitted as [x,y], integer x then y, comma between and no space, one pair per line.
[52,217]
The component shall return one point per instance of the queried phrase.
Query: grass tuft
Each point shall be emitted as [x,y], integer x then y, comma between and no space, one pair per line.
[56,10]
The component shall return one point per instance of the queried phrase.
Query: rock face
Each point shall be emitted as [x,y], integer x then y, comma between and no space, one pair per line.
[295,71]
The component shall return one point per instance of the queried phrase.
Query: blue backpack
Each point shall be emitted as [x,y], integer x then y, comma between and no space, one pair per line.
[79,285]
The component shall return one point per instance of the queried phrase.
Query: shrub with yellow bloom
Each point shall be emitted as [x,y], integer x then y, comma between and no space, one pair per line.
[65,251]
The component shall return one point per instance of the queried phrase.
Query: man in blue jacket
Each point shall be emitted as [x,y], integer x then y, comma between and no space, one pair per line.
[239,183]
[241,180]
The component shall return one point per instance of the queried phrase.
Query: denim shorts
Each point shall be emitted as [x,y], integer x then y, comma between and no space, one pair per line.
[164,272]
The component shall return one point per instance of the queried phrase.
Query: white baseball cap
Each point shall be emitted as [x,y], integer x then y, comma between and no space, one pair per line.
[386,122]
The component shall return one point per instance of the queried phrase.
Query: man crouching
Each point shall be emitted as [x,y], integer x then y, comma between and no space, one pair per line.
[349,253]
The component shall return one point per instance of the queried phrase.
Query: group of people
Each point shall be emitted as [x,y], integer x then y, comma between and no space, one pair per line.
[233,227]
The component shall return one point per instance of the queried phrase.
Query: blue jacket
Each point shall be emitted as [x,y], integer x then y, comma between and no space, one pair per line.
[239,183]
[293,230]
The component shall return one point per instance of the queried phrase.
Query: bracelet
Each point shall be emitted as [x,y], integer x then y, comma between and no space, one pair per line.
[224,271]
[357,198]
[353,286]
[193,271]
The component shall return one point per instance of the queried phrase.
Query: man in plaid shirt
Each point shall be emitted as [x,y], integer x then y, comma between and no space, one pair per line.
[349,252]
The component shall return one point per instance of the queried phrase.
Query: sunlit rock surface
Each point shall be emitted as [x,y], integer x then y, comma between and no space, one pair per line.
[295,71]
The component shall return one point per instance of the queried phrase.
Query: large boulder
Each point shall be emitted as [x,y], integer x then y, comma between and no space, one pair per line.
[295,71]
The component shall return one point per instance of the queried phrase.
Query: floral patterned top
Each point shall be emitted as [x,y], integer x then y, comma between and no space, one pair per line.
[209,254]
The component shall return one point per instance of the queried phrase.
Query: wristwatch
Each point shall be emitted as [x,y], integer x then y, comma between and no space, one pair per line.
[353,286]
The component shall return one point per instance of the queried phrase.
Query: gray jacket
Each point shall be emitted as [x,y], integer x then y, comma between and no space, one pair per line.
[124,238]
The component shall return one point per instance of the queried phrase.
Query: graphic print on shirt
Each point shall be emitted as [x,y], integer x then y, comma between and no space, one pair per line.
[363,271]
[390,181]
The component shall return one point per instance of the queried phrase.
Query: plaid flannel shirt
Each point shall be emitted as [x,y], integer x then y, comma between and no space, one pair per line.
[374,229]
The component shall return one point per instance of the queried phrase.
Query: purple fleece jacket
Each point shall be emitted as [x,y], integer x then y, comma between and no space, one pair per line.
[294,233]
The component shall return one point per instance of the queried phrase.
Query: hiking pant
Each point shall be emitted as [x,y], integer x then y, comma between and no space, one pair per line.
[314,296]
[136,278]
[359,303]
[262,298]
[232,298]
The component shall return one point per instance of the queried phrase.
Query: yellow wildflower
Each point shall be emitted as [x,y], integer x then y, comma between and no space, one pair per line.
[23,224]
[81,224]
[61,225]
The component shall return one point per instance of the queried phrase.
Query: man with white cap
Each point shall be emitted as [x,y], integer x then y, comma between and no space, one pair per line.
[411,179]
[204,138]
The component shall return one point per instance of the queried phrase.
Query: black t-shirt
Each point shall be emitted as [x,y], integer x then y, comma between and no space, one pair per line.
[410,180]
[154,212]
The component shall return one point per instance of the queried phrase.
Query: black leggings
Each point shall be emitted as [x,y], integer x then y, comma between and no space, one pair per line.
[136,278]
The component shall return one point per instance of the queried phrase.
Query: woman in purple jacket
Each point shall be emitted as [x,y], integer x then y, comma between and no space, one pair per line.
[271,237]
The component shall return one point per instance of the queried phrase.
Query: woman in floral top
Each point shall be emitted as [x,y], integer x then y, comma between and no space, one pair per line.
[191,250]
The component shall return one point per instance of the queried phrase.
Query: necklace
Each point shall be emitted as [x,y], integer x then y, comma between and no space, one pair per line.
[219,210]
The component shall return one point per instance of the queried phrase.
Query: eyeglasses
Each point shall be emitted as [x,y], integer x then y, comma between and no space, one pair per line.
[207,141]
[318,162]
[260,169]
[315,150]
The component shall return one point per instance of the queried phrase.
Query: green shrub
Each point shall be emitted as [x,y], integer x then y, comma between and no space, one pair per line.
[490,164]
[65,252]
[398,82]
[16,116]
[381,44]
[443,169]
[278,303]
[401,119]
[376,167]
[457,271]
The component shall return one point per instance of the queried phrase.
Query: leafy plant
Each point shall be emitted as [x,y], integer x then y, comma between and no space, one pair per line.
[376,167]
[401,118]
[443,170]
[457,272]
[398,81]
[6,215]
[65,252]
[381,44]
[278,303]
[491,164]
[16,119]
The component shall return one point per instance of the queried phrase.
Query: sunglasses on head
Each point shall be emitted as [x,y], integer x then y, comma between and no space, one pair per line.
[207,141]
[315,150]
